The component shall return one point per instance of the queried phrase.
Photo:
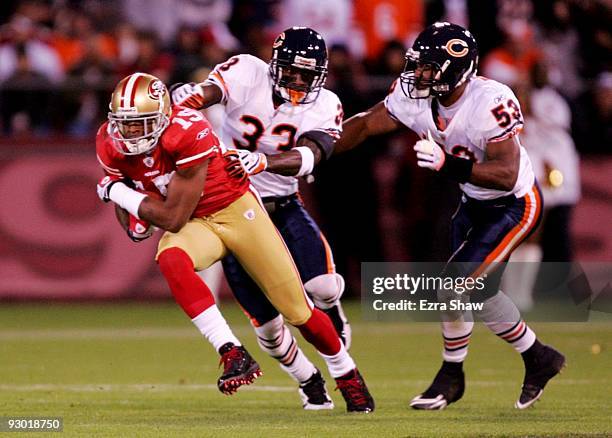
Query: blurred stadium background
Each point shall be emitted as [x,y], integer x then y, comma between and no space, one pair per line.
[59,60]
[142,369]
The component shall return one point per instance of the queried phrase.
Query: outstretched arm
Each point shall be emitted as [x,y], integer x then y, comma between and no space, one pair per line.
[312,147]
[374,121]
[296,162]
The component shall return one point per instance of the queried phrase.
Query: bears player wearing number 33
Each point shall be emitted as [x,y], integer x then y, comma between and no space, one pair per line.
[207,214]
[281,108]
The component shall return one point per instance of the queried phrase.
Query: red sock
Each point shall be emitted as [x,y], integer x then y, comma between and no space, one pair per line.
[320,332]
[189,291]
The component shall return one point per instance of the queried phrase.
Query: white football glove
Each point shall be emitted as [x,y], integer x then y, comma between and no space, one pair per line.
[429,154]
[190,95]
[104,186]
[243,162]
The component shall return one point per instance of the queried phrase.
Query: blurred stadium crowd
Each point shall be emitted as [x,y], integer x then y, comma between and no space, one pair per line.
[59,60]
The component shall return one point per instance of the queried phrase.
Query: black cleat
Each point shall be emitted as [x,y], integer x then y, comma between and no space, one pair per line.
[355,392]
[239,368]
[543,365]
[341,324]
[314,394]
[446,388]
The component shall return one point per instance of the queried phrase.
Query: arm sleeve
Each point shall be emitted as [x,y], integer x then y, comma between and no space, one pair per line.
[105,154]
[193,145]
[398,105]
[497,115]
[331,122]
[236,77]
[326,130]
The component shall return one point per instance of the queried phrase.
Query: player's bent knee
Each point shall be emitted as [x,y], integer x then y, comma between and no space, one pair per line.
[289,299]
[174,261]
[326,288]
[297,318]
[170,241]
[200,259]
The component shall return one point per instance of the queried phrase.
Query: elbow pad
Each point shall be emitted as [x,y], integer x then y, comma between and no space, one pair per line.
[325,141]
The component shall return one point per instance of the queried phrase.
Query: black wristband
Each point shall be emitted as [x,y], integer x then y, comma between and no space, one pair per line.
[458,169]
[324,141]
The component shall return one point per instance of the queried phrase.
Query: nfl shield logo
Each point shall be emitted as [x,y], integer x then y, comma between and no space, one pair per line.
[148,161]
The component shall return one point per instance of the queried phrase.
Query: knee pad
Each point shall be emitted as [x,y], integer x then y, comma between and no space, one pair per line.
[325,289]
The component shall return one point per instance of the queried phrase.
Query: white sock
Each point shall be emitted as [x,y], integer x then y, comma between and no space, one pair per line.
[340,363]
[456,336]
[518,334]
[214,327]
[275,338]
[502,317]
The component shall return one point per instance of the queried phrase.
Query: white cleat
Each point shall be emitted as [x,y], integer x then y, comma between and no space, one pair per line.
[314,394]
[430,404]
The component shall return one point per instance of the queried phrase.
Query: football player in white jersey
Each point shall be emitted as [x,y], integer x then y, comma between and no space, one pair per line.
[469,128]
[271,109]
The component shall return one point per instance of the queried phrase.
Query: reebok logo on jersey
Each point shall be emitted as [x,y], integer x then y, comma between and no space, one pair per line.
[203,133]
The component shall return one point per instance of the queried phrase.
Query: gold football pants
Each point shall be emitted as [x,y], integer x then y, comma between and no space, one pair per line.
[245,229]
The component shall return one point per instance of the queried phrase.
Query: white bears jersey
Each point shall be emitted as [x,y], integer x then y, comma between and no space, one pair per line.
[254,124]
[487,112]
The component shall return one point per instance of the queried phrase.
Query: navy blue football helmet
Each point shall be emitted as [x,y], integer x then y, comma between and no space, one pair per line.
[298,50]
[446,56]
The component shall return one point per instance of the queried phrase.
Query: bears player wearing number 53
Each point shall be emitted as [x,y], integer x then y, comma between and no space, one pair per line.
[207,214]
[469,128]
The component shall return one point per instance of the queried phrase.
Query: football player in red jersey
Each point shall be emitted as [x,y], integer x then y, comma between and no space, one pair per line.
[207,214]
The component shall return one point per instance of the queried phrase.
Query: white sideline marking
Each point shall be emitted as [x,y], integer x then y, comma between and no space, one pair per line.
[136,387]
[165,387]
[105,333]
[186,332]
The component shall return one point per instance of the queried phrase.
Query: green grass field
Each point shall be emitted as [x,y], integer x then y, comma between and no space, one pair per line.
[141,370]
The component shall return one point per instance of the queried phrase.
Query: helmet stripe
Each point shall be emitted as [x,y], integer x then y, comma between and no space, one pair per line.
[122,100]
[134,88]
[129,92]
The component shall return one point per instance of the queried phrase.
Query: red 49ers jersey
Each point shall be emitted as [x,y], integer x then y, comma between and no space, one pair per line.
[188,140]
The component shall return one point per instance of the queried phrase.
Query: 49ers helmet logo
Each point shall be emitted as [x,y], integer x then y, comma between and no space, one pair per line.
[156,90]
[457,48]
